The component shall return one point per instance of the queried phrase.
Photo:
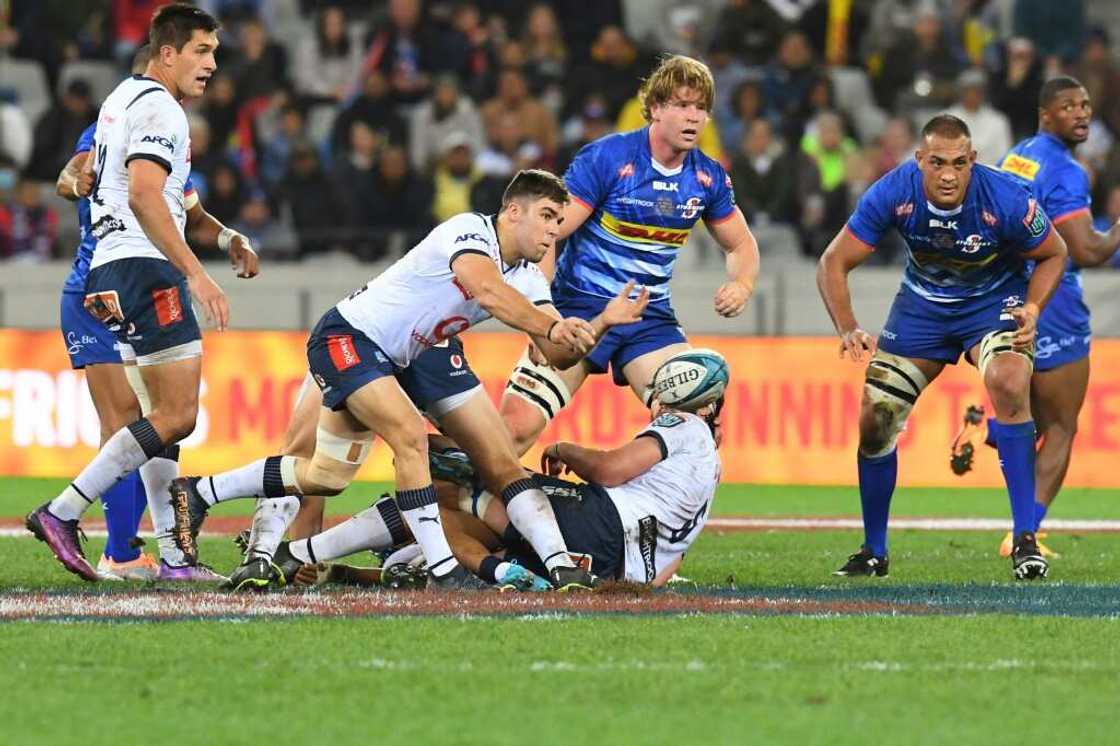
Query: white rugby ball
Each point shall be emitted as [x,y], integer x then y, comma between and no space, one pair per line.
[691,379]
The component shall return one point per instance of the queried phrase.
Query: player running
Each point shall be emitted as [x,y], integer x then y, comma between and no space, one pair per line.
[635,198]
[140,275]
[968,230]
[1058,182]
[466,270]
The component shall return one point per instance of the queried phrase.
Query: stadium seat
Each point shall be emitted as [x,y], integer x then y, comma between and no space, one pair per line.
[102,77]
[29,81]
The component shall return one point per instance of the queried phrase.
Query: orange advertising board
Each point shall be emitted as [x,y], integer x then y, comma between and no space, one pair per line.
[790,416]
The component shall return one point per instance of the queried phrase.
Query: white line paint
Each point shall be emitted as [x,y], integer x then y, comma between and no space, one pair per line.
[919,524]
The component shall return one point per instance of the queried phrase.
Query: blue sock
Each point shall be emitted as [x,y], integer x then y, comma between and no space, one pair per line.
[1039,514]
[993,428]
[119,513]
[877,477]
[1016,457]
[140,501]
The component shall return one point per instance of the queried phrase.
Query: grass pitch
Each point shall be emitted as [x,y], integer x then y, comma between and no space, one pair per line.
[948,649]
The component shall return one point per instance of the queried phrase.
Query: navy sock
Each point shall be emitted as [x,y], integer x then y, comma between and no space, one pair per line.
[119,511]
[1039,514]
[1016,458]
[140,500]
[993,428]
[877,478]
[487,567]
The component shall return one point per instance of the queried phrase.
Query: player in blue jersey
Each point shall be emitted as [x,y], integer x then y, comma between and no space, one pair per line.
[968,231]
[1045,163]
[635,198]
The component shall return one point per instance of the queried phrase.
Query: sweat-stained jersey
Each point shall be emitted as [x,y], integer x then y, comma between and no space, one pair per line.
[957,254]
[642,213]
[139,119]
[418,302]
[664,509]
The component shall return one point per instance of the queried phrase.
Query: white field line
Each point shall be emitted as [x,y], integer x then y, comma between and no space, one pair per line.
[919,524]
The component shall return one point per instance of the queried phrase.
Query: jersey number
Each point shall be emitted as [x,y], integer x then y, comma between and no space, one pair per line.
[678,535]
[98,167]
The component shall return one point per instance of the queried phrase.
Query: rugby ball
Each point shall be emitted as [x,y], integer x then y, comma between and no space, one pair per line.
[691,379]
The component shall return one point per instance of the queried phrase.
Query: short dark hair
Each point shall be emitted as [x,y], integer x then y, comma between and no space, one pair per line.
[175,23]
[946,125]
[535,183]
[1054,86]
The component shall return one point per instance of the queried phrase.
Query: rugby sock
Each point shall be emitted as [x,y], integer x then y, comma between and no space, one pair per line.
[139,501]
[270,520]
[491,568]
[119,514]
[403,556]
[1039,514]
[421,513]
[877,478]
[121,455]
[1015,444]
[376,528]
[157,475]
[265,477]
[531,513]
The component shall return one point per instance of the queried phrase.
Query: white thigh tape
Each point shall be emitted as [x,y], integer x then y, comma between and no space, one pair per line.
[342,449]
[540,385]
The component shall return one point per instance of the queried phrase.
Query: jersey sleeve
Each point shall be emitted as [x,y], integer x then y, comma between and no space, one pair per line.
[1027,225]
[874,212]
[85,140]
[585,178]
[156,128]
[1069,195]
[672,431]
[721,197]
[536,286]
[464,234]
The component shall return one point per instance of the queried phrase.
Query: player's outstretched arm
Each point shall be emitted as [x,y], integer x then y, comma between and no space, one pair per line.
[145,199]
[1050,263]
[622,309]
[203,229]
[608,468]
[737,241]
[845,253]
[1087,246]
[75,180]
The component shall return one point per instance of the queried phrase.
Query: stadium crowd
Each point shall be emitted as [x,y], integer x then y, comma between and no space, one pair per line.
[357,126]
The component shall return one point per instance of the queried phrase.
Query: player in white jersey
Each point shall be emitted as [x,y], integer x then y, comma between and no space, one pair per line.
[458,275]
[143,273]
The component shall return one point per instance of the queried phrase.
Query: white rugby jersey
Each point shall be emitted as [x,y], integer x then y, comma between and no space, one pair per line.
[418,302]
[664,509]
[139,119]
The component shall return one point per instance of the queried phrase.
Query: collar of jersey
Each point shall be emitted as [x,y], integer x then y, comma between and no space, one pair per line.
[145,77]
[944,213]
[494,231]
[1054,139]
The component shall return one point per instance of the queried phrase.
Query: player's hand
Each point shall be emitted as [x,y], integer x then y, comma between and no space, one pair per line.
[243,258]
[855,343]
[623,309]
[551,463]
[573,332]
[211,298]
[731,298]
[312,575]
[536,357]
[83,181]
[1026,316]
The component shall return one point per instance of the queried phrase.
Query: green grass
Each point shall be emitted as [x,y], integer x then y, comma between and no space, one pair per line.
[1005,661]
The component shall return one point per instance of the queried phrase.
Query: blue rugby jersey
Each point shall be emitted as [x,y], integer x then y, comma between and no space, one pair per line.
[954,254]
[1057,181]
[642,213]
[76,280]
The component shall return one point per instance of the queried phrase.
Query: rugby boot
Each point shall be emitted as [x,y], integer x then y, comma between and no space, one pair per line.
[197,573]
[189,510]
[569,579]
[143,568]
[1027,562]
[285,564]
[972,435]
[62,537]
[402,576]
[864,564]
[1008,544]
[517,578]
[1046,551]
[253,574]
[451,465]
[459,579]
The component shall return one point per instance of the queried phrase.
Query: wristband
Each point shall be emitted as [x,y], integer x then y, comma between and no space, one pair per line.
[548,334]
[225,237]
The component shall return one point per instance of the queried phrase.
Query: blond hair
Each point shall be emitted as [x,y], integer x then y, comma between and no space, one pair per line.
[676,71]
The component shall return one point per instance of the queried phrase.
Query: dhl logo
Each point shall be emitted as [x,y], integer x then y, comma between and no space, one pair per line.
[1020,166]
[958,266]
[643,233]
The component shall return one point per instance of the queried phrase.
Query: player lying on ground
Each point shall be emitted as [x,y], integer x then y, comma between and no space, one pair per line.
[142,275]
[636,196]
[642,506]
[968,230]
[462,273]
[1058,182]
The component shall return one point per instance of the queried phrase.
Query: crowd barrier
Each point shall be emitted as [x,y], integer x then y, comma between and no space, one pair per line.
[791,414]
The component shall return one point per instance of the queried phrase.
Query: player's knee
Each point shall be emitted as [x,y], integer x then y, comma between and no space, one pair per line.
[1008,378]
[409,443]
[325,478]
[524,422]
[300,442]
[892,387]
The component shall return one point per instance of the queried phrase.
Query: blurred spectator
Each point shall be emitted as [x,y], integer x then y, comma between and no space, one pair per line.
[896,145]
[59,128]
[614,70]
[749,30]
[132,17]
[327,63]
[538,124]
[789,77]
[16,138]
[673,26]
[401,200]
[224,196]
[1101,78]
[318,214]
[277,132]
[375,108]
[546,57]
[920,68]
[204,158]
[991,131]
[821,97]
[728,73]
[262,65]
[256,221]
[889,22]
[828,152]
[1016,86]
[507,152]
[748,104]
[588,127]
[835,31]
[354,174]
[763,174]
[454,176]
[470,48]
[406,51]
[28,228]
[219,106]
[1056,27]
[445,113]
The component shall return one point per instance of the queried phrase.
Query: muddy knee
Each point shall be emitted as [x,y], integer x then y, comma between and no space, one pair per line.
[890,390]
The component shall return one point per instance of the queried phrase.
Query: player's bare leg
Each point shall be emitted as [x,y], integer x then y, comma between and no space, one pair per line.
[639,371]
